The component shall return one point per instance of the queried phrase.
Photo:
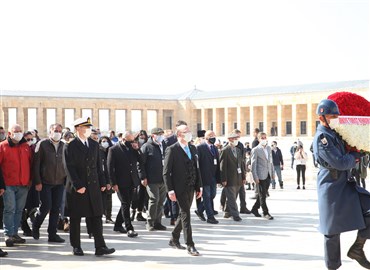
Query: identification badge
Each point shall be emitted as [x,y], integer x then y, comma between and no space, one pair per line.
[239,170]
[214,161]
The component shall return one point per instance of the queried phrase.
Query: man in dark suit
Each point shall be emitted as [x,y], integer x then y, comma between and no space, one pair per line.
[85,181]
[182,177]
[123,173]
[209,165]
[232,175]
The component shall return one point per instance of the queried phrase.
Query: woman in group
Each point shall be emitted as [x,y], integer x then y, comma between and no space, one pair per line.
[300,158]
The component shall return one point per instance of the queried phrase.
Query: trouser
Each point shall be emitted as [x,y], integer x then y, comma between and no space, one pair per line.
[184,200]
[278,173]
[301,169]
[14,202]
[209,193]
[51,199]
[261,197]
[125,196]
[242,195]
[157,195]
[95,228]
[231,193]
[139,198]
[332,246]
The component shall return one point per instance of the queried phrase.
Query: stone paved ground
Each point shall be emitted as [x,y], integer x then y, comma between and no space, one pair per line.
[291,241]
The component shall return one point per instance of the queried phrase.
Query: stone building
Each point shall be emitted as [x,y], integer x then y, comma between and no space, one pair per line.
[280,111]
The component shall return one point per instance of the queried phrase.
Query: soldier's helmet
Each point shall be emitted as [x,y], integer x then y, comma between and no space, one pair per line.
[327,106]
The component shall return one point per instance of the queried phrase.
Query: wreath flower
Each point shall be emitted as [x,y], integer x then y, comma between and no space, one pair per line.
[354,121]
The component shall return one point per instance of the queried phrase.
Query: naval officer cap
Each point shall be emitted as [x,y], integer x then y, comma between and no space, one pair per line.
[84,121]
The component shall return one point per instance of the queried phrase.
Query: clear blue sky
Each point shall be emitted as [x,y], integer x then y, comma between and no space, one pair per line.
[171,46]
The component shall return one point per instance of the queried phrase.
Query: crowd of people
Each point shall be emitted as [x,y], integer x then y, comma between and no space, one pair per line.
[70,175]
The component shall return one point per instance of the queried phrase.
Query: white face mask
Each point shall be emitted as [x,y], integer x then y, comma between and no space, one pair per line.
[88,132]
[264,142]
[105,145]
[159,139]
[30,143]
[188,137]
[17,136]
[56,136]
[334,123]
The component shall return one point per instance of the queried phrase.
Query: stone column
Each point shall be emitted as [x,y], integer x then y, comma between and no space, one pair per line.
[128,119]
[20,117]
[294,120]
[4,118]
[59,116]
[226,121]
[251,119]
[310,126]
[266,126]
[279,120]
[204,118]
[144,119]
[95,117]
[112,119]
[160,120]
[239,118]
[216,122]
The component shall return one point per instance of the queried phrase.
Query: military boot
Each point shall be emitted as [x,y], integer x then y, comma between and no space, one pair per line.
[356,252]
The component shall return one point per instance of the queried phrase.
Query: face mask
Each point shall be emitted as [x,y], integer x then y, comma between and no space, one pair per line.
[264,142]
[17,136]
[334,123]
[55,136]
[2,136]
[128,143]
[88,132]
[141,141]
[234,143]
[34,141]
[29,143]
[188,137]
[159,139]
[212,140]
[105,145]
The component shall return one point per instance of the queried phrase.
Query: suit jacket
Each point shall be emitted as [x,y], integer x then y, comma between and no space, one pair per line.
[83,168]
[229,165]
[261,165]
[122,166]
[179,170]
[208,170]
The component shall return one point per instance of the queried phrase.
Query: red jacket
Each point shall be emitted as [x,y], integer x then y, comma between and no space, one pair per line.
[15,163]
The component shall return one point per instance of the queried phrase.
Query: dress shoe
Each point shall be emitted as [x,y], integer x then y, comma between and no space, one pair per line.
[139,217]
[237,218]
[200,215]
[303,187]
[227,215]
[215,212]
[150,228]
[104,251]
[159,227]
[119,229]
[109,221]
[90,235]
[192,251]
[27,233]
[56,239]
[3,253]
[173,221]
[245,211]
[77,251]
[36,233]
[18,240]
[212,221]
[9,241]
[255,213]
[176,245]
[132,233]
[268,217]
[298,187]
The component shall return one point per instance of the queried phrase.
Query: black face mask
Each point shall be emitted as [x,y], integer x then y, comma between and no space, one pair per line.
[212,140]
[128,143]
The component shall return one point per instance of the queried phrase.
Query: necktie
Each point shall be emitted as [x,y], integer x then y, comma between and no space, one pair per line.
[86,144]
[187,150]
[234,151]
[213,150]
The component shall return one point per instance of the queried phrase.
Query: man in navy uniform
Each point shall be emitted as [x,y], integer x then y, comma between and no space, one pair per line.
[342,205]
[85,182]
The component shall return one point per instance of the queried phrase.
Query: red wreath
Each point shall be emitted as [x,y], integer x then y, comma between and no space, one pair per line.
[351,104]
